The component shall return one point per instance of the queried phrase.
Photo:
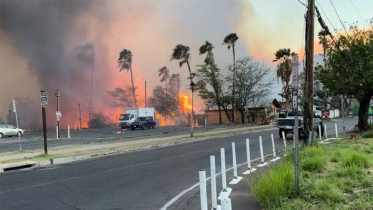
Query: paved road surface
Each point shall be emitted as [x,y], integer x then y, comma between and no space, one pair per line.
[33,140]
[139,180]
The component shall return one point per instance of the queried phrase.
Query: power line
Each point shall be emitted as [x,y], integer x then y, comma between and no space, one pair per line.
[325,15]
[302,3]
[339,17]
[357,10]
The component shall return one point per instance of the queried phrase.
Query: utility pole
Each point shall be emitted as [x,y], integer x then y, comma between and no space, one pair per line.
[10,116]
[80,118]
[145,93]
[309,63]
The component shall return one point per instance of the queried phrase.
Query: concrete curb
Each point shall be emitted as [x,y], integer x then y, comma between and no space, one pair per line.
[137,145]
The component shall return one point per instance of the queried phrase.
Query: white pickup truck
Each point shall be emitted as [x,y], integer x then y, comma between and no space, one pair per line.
[286,124]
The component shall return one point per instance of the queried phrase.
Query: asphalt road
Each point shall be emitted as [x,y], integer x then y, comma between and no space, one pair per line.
[34,139]
[138,180]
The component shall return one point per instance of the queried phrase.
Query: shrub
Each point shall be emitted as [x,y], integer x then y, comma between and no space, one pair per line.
[368,134]
[354,158]
[273,187]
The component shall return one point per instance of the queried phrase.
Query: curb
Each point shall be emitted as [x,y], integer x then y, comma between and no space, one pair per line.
[27,164]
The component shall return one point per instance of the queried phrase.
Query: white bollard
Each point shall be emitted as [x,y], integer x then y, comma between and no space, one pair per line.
[249,169]
[326,131]
[262,163]
[274,150]
[214,200]
[226,190]
[320,134]
[202,187]
[236,178]
[56,132]
[226,204]
[336,130]
[68,131]
[223,170]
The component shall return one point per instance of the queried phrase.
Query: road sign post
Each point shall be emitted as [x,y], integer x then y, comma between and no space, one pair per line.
[19,136]
[44,104]
[295,110]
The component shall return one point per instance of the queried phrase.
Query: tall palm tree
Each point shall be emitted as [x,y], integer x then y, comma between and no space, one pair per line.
[283,71]
[125,63]
[230,41]
[209,60]
[182,54]
[164,73]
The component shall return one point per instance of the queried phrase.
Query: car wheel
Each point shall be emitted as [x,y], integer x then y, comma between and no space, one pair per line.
[1,135]
[133,129]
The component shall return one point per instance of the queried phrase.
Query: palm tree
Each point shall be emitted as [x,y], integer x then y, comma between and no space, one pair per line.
[209,60]
[125,63]
[284,70]
[182,54]
[164,73]
[230,40]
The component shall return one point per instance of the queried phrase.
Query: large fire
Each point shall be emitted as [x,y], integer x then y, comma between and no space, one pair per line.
[185,106]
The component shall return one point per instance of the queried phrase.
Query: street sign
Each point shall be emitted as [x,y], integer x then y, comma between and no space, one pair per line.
[59,115]
[295,100]
[294,80]
[44,99]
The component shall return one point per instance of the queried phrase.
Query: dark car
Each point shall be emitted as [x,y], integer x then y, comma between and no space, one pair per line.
[143,123]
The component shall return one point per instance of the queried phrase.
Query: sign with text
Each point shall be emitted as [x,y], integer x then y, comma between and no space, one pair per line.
[294,79]
[44,99]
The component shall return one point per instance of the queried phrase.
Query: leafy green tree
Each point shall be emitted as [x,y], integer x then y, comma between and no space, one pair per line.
[283,71]
[349,68]
[125,63]
[230,41]
[210,77]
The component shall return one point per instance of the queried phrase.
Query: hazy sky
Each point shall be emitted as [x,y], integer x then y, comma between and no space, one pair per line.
[40,43]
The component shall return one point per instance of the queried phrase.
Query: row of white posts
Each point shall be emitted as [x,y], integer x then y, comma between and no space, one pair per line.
[225,201]
[68,132]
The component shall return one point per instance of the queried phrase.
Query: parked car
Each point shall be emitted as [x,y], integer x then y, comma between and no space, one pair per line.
[10,130]
[143,123]
[286,124]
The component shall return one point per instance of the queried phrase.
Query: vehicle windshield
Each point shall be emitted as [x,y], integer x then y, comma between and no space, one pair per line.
[141,119]
[124,117]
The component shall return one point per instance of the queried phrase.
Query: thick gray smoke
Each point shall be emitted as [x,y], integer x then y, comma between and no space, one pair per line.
[62,45]
[40,31]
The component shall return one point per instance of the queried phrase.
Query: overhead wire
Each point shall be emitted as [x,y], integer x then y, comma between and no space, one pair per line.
[338,17]
[325,15]
[357,10]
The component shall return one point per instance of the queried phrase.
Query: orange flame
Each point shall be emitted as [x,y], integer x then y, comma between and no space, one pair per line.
[185,102]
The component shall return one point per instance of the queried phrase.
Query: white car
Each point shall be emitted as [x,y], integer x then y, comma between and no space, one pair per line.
[10,130]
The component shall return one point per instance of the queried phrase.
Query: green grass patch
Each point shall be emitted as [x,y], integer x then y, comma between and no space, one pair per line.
[354,158]
[313,159]
[272,188]
[333,176]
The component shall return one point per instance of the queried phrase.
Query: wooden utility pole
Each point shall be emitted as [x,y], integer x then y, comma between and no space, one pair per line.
[309,65]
